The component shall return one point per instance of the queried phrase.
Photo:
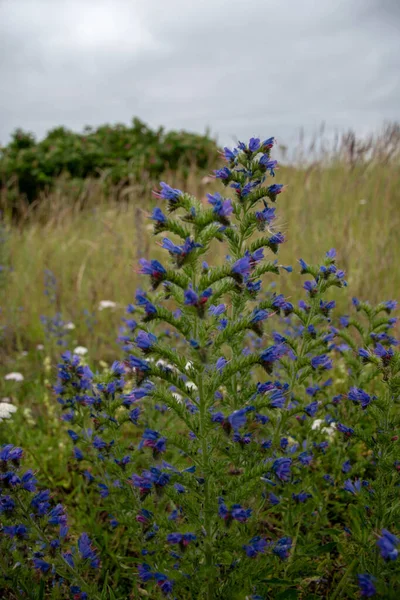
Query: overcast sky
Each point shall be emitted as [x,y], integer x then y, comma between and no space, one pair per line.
[239,67]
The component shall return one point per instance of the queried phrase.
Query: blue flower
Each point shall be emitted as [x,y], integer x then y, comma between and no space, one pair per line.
[255,546]
[351,487]
[310,287]
[311,408]
[145,341]
[254,144]
[223,173]
[273,499]
[321,362]
[41,565]
[12,453]
[216,311]
[238,418]
[348,431]
[387,545]
[168,193]
[281,468]
[359,396]
[274,190]
[265,216]
[87,551]
[7,504]
[158,215]
[267,144]
[183,539]
[222,206]
[282,547]
[390,305]
[301,497]
[267,164]
[366,585]
[230,155]
[271,355]
[346,466]
[221,363]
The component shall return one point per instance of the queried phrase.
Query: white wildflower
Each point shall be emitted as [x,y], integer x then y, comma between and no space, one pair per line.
[106,304]
[81,350]
[14,377]
[40,347]
[69,325]
[329,431]
[6,409]
[191,386]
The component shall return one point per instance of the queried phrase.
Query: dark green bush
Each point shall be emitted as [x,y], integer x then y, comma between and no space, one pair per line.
[124,152]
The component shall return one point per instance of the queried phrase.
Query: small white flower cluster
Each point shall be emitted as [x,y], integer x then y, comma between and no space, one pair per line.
[14,377]
[319,424]
[80,350]
[106,304]
[6,409]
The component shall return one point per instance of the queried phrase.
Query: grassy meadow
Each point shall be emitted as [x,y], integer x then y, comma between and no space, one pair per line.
[92,245]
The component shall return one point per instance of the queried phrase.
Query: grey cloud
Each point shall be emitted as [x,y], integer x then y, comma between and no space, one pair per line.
[262,67]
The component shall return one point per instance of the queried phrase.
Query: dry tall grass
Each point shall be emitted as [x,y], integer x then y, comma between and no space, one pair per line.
[92,245]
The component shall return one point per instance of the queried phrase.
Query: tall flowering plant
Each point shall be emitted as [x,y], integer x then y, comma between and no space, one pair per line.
[246,446]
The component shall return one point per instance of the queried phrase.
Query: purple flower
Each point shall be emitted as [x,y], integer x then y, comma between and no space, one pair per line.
[221,363]
[41,565]
[145,341]
[158,216]
[238,418]
[7,504]
[237,512]
[301,497]
[310,287]
[387,545]
[390,305]
[222,206]
[385,354]
[274,190]
[9,452]
[223,173]
[359,396]
[18,531]
[274,500]
[348,431]
[331,253]
[216,311]
[321,362]
[230,155]
[266,216]
[351,487]
[242,267]
[165,584]
[282,547]
[281,468]
[254,144]
[275,240]
[346,466]
[366,585]
[271,355]
[268,164]
[152,268]
[267,144]
[183,539]
[311,408]
[255,546]
[87,551]
[144,571]
[168,193]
